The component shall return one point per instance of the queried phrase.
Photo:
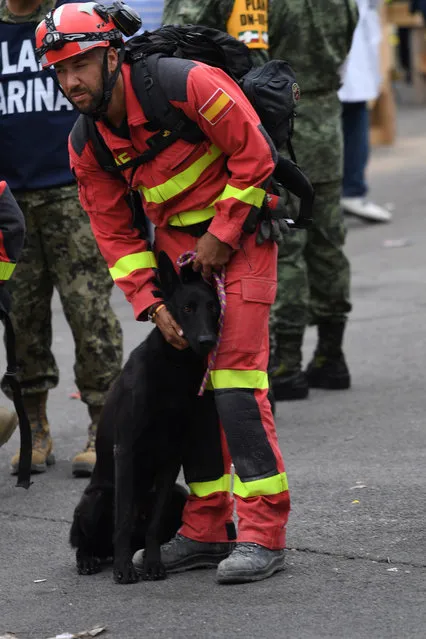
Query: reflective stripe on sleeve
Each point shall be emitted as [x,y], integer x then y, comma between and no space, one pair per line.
[252,195]
[6,270]
[129,263]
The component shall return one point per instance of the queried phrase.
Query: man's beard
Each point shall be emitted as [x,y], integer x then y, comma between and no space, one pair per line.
[96,100]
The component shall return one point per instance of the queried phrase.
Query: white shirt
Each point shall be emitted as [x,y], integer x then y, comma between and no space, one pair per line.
[361,72]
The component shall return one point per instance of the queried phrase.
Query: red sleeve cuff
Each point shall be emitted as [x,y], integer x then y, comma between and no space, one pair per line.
[228,233]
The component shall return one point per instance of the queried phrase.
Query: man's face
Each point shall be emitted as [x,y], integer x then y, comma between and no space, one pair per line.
[81,79]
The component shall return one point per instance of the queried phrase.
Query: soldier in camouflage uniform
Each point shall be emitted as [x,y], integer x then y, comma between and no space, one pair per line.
[314,36]
[225,15]
[60,251]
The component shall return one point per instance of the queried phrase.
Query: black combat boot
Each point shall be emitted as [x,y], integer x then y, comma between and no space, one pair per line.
[286,377]
[328,368]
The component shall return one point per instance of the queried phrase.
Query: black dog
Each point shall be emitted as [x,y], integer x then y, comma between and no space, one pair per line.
[141,436]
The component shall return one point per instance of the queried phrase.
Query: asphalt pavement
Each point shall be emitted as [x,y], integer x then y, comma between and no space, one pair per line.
[356,461]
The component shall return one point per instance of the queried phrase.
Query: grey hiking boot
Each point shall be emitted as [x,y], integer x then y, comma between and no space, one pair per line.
[249,562]
[182,553]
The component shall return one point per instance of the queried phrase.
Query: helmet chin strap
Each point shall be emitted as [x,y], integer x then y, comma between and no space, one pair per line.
[108,82]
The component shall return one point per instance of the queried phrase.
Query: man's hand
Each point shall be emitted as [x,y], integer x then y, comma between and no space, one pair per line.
[211,254]
[172,332]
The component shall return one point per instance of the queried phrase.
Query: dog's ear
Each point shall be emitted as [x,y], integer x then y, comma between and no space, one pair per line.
[169,279]
[188,275]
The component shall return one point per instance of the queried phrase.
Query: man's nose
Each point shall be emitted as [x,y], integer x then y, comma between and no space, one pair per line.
[69,81]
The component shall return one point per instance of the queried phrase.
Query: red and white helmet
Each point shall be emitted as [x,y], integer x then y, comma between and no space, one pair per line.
[73,29]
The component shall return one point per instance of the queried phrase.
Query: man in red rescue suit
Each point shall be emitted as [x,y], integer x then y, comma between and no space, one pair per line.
[206,190]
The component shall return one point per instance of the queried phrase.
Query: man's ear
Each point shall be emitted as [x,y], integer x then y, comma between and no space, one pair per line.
[169,279]
[112,55]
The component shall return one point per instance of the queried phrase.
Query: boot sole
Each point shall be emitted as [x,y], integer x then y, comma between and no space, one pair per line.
[82,469]
[330,383]
[37,468]
[288,394]
[246,576]
[191,563]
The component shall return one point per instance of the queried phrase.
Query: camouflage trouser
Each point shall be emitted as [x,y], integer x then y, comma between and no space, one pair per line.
[313,276]
[60,252]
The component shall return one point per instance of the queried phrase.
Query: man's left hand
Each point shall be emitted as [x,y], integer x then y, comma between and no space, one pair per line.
[211,254]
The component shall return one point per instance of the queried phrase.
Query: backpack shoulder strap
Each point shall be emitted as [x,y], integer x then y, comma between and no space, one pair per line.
[156,80]
[85,130]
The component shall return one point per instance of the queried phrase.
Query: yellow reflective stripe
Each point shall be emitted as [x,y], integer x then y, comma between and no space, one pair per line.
[192,217]
[268,486]
[251,195]
[205,488]
[129,263]
[182,180]
[239,379]
[6,270]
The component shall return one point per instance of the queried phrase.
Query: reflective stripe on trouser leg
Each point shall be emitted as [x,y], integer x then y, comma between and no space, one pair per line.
[208,511]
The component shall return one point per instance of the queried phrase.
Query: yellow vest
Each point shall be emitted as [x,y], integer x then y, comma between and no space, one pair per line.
[248,22]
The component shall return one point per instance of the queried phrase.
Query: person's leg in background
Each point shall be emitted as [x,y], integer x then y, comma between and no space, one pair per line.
[81,276]
[355,120]
[8,423]
[289,318]
[31,290]
[329,281]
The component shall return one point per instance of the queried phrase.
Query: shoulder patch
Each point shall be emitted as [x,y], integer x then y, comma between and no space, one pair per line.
[216,107]
[173,74]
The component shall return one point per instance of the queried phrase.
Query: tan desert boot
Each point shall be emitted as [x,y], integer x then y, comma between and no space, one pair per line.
[8,423]
[42,455]
[83,463]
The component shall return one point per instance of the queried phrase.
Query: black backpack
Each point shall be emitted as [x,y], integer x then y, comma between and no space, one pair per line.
[272,90]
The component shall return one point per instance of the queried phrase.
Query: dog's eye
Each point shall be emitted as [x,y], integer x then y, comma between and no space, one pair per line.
[188,308]
[211,306]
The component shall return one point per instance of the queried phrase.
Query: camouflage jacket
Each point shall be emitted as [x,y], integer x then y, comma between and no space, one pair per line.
[315,36]
[35,16]
[211,13]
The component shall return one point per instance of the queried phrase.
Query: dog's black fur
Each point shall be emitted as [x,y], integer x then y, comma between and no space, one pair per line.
[142,434]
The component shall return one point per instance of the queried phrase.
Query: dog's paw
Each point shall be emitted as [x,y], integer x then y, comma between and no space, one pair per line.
[125,573]
[88,565]
[153,570]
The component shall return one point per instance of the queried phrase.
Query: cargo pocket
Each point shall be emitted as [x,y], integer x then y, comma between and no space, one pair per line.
[257,296]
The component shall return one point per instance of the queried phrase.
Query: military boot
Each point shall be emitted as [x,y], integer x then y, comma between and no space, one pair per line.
[285,370]
[250,562]
[42,445]
[83,463]
[8,423]
[328,368]
[181,553]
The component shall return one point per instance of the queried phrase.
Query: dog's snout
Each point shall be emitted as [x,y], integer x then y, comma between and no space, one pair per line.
[207,341]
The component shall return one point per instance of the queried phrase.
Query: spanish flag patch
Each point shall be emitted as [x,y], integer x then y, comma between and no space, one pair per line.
[216,107]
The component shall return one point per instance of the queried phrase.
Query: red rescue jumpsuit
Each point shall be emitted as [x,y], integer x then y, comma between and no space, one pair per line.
[222,179]
[12,232]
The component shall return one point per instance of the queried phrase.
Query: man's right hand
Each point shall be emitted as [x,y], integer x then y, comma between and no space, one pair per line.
[171,331]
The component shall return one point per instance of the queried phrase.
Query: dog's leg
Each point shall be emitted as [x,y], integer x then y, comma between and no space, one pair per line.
[153,569]
[124,572]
